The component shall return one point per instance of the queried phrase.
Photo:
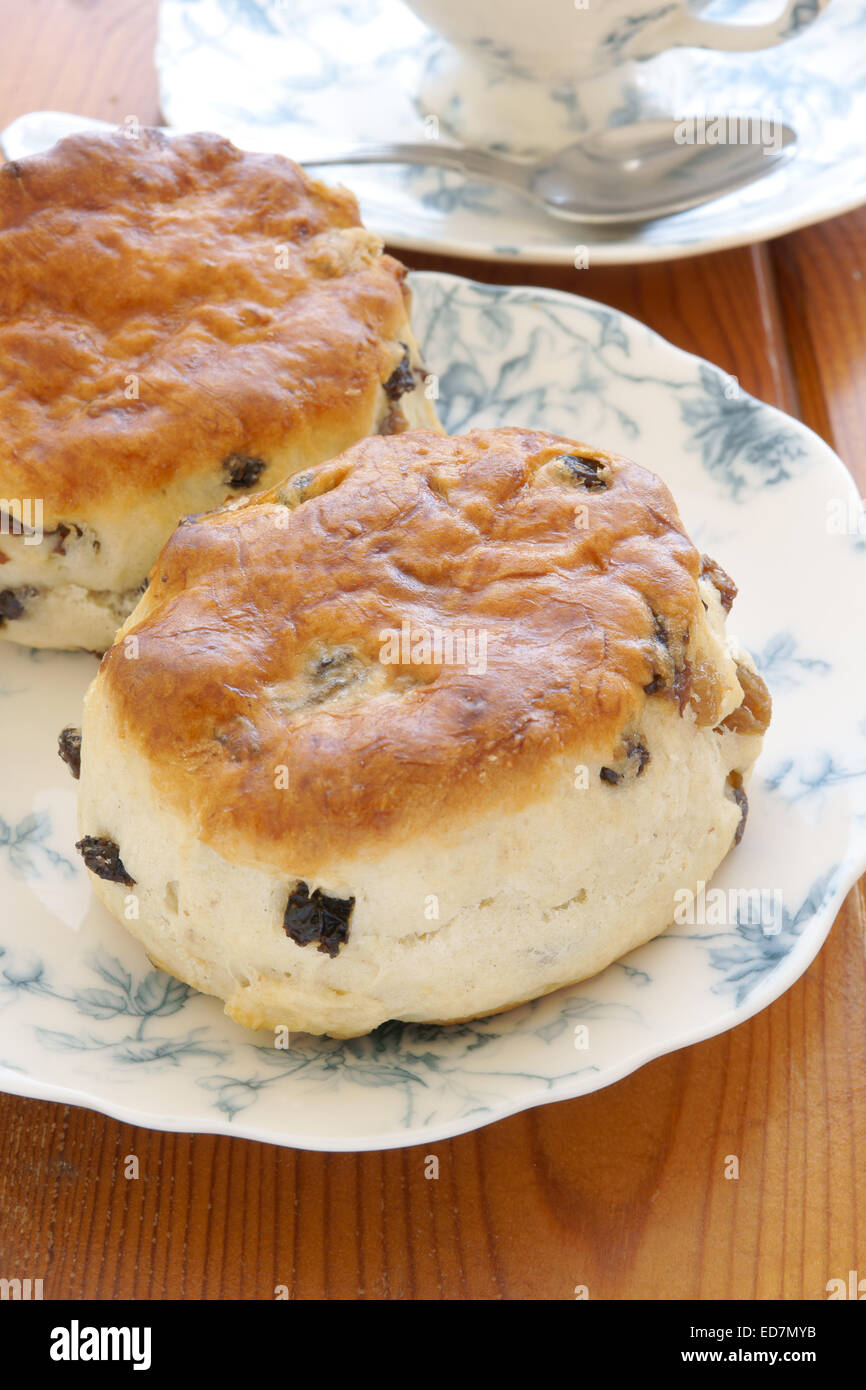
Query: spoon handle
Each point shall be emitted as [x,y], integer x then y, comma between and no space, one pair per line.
[495,168]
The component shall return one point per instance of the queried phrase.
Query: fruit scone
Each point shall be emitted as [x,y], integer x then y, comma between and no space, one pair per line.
[179,322]
[432,729]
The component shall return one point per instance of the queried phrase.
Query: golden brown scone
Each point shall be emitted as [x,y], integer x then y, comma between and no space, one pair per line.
[179,321]
[327,827]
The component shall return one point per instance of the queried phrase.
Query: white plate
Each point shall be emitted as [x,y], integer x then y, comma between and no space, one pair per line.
[83,1018]
[282,74]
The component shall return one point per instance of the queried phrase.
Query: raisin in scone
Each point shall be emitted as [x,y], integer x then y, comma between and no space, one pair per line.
[432,729]
[179,322]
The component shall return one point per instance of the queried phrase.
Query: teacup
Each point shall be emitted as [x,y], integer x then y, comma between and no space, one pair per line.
[510,67]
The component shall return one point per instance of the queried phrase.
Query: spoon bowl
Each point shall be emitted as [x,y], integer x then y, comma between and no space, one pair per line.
[639,172]
[629,173]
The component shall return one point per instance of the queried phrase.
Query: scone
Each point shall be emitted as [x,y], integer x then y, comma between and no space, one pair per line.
[434,728]
[179,322]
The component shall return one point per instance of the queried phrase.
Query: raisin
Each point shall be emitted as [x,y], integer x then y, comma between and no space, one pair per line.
[753,715]
[12,603]
[395,421]
[660,629]
[675,678]
[102,857]
[682,686]
[317,917]
[61,531]
[13,169]
[69,748]
[239,737]
[720,580]
[334,672]
[401,379]
[738,794]
[587,472]
[242,470]
[637,751]
[635,759]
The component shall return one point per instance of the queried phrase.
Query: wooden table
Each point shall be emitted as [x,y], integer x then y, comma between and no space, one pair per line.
[624,1190]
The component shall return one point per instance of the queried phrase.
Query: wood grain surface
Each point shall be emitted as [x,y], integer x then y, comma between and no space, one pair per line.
[622,1191]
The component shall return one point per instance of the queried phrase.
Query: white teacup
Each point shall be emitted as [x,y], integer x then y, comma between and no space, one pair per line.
[512,60]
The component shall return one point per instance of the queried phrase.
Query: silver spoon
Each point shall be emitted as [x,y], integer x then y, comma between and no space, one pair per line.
[629,173]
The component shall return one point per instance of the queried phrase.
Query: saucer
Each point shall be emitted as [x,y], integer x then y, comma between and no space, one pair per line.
[292,76]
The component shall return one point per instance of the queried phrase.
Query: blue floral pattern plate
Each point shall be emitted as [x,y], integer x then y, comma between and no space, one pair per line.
[83,1018]
[288,74]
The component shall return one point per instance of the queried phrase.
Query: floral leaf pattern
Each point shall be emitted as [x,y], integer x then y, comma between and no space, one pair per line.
[156,996]
[739,442]
[782,667]
[28,853]
[735,438]
[394,1056]
[751,954]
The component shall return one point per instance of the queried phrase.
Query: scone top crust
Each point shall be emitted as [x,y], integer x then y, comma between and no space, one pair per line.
[165,303]
[260,643]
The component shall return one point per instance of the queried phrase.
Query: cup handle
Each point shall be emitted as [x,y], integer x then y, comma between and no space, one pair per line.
[687,31]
